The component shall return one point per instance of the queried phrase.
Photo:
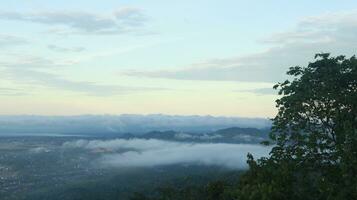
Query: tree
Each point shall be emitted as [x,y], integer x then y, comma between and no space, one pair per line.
[315,134]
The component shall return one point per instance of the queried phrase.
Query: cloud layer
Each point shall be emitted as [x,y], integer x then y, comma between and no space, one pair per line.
[152,152]
[65,49]
[34,71]
[331,32]
[123,20]
[55,81]
[11,92]
[11,40]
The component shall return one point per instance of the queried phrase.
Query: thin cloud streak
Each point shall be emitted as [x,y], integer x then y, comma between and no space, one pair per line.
[65,49]
[55,81]
[12,40]
[12,92]
[123,20]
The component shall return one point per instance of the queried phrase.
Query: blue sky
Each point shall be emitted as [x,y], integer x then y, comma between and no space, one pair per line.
[173,57]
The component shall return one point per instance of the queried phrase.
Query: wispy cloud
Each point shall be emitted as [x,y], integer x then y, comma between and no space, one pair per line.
[50,80]
[41,72]
[21,61]
[65,49]
[123,20]
[260,91]
[331,32]
[11,40]
[150,153]
[11,92]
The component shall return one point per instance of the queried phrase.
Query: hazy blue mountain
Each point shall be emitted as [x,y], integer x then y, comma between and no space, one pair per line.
[228,135]
[119,124]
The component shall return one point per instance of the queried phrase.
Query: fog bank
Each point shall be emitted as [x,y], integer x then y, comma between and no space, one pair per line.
[152,152]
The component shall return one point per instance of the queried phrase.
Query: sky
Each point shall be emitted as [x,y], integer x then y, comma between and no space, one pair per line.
[184,57]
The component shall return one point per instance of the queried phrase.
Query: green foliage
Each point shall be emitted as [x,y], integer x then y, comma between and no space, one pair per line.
[315,131]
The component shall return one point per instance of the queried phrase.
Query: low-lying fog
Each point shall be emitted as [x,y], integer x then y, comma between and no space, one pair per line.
[153,152]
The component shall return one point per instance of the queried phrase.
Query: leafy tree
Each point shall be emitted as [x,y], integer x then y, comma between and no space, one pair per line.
[315,131]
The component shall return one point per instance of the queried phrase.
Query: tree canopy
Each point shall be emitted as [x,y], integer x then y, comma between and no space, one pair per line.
[315,134]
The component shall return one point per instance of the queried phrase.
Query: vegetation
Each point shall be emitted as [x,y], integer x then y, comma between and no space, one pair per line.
[315,130]
[315,141]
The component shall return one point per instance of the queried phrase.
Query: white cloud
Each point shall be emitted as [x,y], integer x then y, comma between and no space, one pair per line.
[65,49]
[11,40]
[11,92]
[39,78]
[260,91]
[123,20]
[34,71]
[331,32]
[20,61]
[152,152]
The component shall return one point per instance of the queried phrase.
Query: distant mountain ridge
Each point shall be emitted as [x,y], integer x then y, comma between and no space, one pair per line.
[96,125]
[228,135]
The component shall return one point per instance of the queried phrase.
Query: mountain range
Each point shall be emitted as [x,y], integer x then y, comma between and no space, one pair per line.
[98,125]
[235,135]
